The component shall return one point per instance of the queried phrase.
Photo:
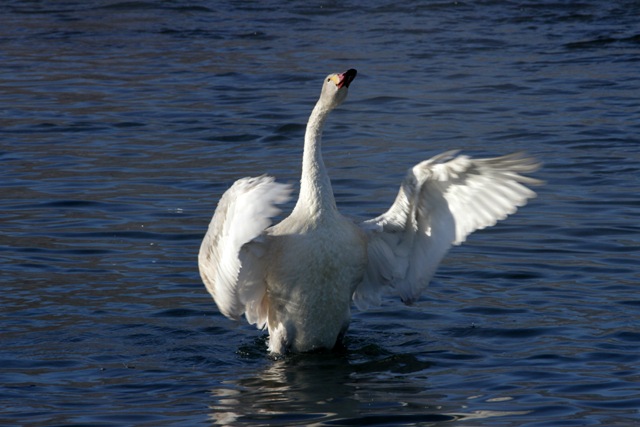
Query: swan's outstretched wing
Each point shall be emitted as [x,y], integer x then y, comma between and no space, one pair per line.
[441,201]
[232,270]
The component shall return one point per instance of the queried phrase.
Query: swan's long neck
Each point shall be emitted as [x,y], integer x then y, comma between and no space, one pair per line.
[316,195]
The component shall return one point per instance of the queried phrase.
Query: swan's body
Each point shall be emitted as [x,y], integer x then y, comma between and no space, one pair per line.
[298,277]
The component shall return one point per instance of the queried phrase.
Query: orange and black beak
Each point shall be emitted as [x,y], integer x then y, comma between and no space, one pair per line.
[345,78]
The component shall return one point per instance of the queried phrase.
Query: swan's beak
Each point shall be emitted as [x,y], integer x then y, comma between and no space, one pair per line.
[345,78]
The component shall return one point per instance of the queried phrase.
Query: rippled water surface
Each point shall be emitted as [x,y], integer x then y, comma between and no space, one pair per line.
[122,123]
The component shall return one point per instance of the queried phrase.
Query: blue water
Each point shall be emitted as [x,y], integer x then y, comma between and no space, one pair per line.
[121,124]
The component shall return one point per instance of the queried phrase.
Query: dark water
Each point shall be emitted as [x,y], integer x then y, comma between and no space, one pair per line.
[121,124]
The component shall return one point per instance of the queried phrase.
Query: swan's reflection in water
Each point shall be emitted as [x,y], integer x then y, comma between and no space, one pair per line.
[298,390]
[329,389]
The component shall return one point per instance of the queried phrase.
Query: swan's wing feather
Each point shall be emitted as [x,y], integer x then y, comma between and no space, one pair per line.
[231,255]
[441,201]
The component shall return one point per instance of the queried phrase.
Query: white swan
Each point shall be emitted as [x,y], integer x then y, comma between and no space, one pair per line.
[298,277]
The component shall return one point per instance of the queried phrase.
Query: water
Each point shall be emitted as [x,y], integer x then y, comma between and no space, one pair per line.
[123,122]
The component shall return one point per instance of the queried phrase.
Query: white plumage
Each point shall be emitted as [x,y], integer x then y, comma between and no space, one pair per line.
[242,215]
[298,277]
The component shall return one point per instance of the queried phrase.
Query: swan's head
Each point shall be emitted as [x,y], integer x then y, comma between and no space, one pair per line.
[335,88]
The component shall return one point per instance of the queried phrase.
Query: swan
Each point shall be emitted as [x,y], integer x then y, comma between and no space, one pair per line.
[298,278]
